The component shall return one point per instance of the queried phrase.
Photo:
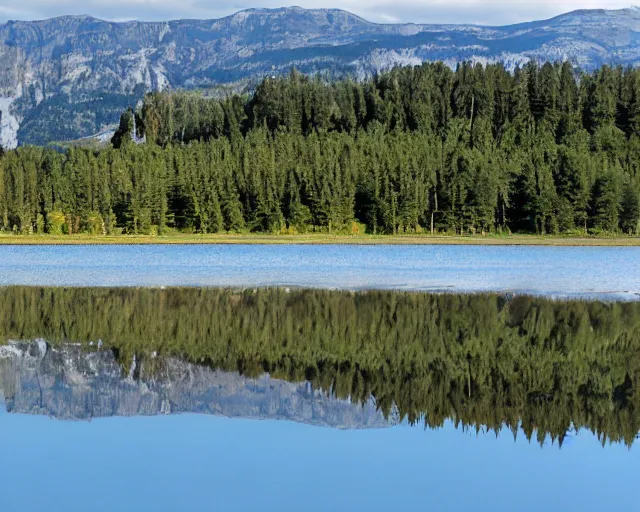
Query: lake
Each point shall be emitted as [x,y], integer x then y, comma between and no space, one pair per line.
[612,272]
[128,384]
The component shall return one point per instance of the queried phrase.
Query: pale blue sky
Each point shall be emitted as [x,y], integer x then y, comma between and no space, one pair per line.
[493,12]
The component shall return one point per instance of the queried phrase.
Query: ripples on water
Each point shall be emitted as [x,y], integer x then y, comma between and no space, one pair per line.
[592,272]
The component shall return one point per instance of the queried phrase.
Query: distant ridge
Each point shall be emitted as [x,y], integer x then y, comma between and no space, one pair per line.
[69,77]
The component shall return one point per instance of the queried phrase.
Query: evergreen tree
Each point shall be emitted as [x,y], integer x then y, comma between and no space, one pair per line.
[629,210]
[544,149]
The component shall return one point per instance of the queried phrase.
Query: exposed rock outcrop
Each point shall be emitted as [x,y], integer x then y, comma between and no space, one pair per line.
[69,77]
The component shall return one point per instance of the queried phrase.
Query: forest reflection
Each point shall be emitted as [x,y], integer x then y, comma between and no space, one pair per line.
[542,367]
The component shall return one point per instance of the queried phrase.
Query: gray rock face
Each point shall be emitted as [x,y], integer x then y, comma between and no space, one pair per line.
[69,77]
[71,383]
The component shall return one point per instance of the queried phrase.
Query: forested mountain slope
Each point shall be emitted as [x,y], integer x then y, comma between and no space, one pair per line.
[68,77]
[476,150]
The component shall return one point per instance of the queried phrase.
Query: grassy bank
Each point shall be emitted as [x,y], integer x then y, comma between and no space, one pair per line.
[321,239]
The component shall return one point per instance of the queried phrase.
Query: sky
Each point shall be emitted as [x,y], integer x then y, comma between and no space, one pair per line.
[486,12]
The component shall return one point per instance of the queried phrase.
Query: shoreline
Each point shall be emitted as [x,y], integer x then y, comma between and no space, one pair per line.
[322,239]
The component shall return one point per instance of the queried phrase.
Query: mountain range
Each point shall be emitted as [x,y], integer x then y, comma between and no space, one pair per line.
[70,382]
[72,76]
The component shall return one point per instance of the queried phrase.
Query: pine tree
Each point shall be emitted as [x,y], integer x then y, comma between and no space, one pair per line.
[629,210]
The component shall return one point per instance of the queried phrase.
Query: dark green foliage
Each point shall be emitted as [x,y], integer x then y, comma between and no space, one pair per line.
[629,210]
[62,117]
[544,366]
[476,150]
[124,132]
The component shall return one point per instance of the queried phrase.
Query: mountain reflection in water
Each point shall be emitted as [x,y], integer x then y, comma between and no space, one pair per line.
[71,383]
[540,367]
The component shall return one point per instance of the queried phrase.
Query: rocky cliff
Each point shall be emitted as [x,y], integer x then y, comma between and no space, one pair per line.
[72,383]
[69,77]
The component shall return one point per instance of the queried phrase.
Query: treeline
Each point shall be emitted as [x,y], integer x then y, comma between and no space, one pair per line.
[541,366]
[544,149]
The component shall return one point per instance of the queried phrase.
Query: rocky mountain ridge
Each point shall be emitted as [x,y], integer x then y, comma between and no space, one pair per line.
[69,77]
[70,382]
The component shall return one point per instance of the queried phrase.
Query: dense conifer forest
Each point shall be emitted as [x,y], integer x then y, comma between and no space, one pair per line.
[543,366]
[545,150]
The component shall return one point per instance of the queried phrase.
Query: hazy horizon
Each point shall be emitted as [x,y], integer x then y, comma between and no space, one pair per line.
[480,12]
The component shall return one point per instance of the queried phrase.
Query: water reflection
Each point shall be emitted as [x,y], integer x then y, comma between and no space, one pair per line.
[72,383]
[542,369]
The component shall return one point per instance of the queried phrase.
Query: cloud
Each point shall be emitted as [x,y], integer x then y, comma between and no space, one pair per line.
[487,12]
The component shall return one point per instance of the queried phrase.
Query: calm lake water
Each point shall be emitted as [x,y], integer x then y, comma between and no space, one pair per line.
[205,398]
[194,462]
[560,271]
[189,438]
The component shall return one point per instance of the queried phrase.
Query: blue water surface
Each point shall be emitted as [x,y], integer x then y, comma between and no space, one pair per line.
[198,462]
[605,272]
[192,462]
